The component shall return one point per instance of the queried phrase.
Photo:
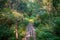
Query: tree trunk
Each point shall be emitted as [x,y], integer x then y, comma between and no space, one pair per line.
[16,29]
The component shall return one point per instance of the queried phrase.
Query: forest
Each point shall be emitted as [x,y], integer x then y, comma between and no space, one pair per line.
[29,20]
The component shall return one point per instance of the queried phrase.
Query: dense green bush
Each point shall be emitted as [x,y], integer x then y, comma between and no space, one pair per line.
[47,25]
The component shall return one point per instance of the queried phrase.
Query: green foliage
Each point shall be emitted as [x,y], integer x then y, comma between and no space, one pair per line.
[55,3]
[22,7]
[46,25]
[2,4]
[5,31]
